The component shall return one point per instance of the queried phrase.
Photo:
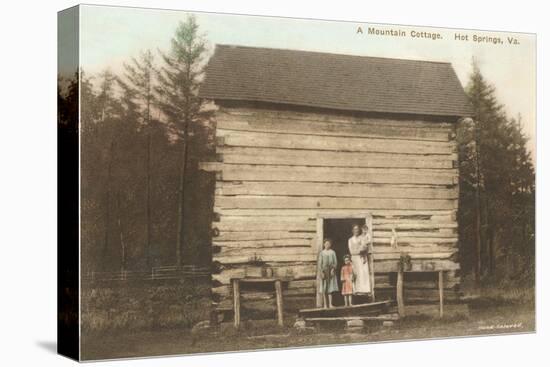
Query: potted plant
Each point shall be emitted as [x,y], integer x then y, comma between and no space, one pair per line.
[256,261]
[405,263]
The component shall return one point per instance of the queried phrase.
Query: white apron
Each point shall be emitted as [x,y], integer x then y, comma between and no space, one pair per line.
[360,267]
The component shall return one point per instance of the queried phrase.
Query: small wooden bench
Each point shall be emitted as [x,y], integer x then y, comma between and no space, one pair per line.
[277,283]
[399,288]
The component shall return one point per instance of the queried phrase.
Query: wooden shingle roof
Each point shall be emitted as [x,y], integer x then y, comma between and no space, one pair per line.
[334,81]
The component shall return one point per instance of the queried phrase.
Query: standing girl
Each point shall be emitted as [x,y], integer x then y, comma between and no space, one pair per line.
[359,252]
[327,269]
[346,277]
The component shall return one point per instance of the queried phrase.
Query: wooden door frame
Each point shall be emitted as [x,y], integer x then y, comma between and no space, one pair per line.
[321,217]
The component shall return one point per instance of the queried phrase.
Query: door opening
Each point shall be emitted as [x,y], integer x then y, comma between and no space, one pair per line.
[339,229]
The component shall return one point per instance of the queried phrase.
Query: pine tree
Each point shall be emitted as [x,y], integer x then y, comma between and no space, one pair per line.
[108,110]
[495,170]
[179,79]
[107,105]
[138,91]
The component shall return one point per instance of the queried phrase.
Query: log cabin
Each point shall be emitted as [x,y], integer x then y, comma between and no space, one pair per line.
[309,144]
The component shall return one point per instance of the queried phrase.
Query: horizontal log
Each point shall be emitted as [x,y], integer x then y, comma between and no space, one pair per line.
[419,279]
[404,243]
[291,157]
[267,295]
[433,249]
[291,289]
[294,125]
[336,118]
[236,224]
[308,274]
[210,166]
[246,257]
[432,265]
[291,270]
[263,251]
[301,284]
[439,255]
[240,259]
[416,285]
[416,241]
[335,190]
[291,304]
[402,235]
[263,236]
[294,271]
[300,291]
[258,244]
[238,172]
[288,269]
[289,253]
[290,301]
[262,202]
[344,144]
[238,241]
[309,288]
[441,215]
[408,225]
[281,227]
[257,296]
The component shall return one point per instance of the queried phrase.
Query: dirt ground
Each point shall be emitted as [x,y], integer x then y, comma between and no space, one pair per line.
[485,318]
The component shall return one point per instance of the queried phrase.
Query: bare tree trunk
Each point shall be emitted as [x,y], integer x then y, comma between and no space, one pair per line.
[183,169]
[148,199]
[106,241]
[490,239]
[121,235]
[181,195]
[477,268]
[494,244]
[148,179]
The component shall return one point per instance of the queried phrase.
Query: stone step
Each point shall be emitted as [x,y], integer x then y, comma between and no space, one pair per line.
[383,317]
[366,309]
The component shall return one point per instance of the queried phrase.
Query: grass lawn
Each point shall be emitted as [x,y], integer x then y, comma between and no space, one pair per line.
[486,317]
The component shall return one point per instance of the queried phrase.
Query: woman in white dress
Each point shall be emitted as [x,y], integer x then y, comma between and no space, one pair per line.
[358,247]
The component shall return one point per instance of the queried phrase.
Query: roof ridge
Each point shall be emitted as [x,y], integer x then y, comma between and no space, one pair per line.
[226,45]
[334,81]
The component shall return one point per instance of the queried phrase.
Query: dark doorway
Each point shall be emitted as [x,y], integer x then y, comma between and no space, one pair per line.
[339,232]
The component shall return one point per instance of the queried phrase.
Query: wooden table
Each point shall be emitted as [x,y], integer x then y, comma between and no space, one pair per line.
[399,289]
[277,282]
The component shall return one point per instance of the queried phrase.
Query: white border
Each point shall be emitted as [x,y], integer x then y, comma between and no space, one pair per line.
[28,184]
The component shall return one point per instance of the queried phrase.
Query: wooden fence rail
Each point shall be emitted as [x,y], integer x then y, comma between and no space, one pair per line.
[156,273]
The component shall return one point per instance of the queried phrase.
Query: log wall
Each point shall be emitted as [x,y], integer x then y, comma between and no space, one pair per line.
[277,170]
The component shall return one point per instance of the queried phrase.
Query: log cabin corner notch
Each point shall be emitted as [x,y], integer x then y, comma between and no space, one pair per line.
[310,136]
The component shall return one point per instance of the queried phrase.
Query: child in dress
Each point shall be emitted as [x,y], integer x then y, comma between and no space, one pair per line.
[347,278]
[327,269]
[365,243]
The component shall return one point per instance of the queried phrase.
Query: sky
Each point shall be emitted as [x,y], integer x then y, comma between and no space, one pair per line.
[112,35]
